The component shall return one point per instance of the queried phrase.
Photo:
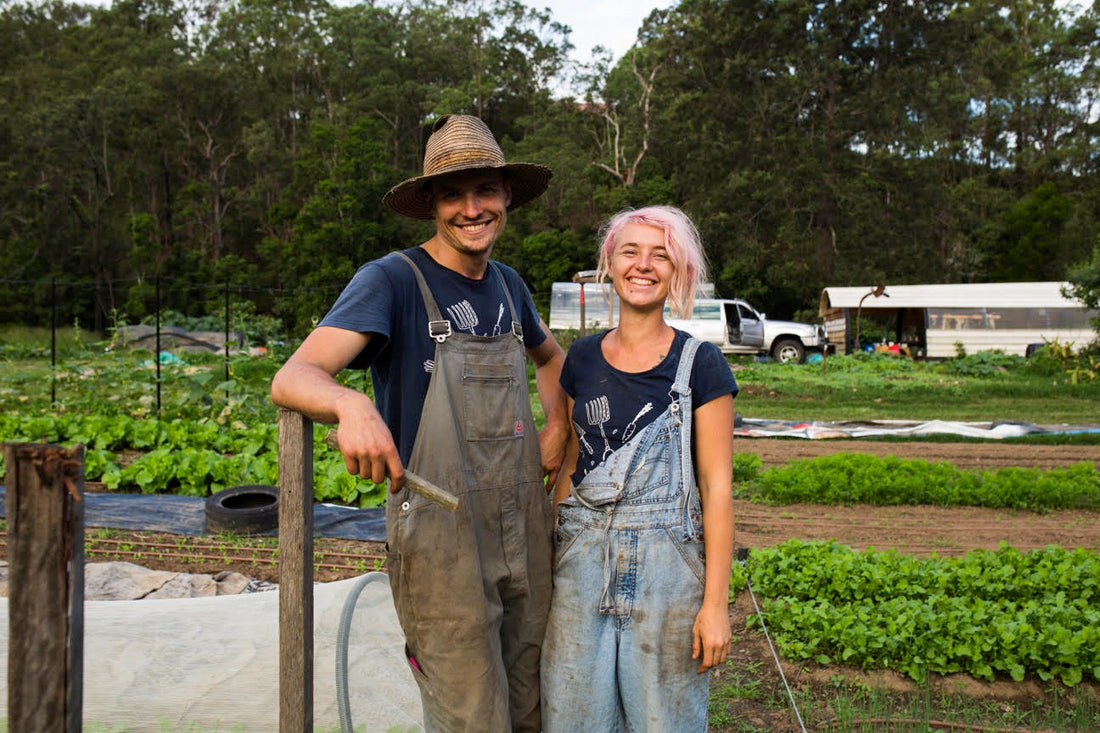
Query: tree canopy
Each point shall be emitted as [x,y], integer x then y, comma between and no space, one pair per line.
[246,145]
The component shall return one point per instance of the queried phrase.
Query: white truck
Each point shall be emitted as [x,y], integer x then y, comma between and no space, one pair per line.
[732,324]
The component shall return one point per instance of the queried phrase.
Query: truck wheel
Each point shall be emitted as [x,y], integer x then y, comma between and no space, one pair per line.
[787,351]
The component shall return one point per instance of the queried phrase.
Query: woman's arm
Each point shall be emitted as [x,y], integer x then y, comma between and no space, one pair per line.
[713,436]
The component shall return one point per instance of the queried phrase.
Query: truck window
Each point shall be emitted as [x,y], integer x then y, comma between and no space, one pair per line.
[747,313]
[733,317]
[707,312]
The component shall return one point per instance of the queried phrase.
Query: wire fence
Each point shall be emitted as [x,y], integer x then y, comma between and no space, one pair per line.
[155,327]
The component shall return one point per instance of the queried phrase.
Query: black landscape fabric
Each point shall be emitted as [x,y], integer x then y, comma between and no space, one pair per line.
[186,515]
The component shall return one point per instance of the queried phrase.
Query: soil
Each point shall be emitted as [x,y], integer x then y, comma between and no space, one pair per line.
[917,530]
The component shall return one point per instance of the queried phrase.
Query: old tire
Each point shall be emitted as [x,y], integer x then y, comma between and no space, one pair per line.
[788,351]
[243,510]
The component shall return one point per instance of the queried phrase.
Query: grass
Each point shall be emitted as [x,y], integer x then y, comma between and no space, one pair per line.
[878,387]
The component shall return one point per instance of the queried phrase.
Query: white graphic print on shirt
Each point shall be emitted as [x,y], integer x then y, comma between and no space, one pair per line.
[464,317]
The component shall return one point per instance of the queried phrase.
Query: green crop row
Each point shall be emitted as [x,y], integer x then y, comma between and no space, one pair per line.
[984,614]
[186,457]
[120,433]
[858,478]
[194,447]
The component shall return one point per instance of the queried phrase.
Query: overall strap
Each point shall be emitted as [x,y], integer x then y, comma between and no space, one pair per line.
[681,412]
[517,327]
[439,328]
[681,384]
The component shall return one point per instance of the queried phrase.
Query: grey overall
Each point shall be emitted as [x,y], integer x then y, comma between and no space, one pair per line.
[472,587]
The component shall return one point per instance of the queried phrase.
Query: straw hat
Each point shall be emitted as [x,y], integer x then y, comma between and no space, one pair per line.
[460,143]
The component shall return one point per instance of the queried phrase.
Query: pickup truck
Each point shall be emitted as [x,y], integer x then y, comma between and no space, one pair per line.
[734,325]
[738,328]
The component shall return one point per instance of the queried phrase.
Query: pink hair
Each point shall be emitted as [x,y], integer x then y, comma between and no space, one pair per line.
[682,241]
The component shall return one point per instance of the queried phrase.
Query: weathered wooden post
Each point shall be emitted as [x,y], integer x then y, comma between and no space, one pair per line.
[45,516]
[295,572]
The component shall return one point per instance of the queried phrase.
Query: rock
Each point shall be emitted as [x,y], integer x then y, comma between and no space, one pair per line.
[124,581]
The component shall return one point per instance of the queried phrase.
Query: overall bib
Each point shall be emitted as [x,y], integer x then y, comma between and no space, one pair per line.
[629,577]
[472,588]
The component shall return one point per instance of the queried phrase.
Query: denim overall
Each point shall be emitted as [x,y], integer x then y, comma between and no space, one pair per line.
[472,588]
[628,582]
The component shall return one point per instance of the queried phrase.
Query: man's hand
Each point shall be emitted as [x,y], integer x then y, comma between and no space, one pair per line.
[552,441]
[368,448]
[305,383]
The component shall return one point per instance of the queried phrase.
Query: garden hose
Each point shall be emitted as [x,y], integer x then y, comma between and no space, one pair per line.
[342,632]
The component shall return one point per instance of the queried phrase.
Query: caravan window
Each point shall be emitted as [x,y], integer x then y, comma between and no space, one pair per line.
[1008,318]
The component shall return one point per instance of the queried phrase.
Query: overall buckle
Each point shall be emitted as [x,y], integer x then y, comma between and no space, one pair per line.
[439,330]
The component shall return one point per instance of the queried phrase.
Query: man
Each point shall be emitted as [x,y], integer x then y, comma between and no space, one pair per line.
[445,331]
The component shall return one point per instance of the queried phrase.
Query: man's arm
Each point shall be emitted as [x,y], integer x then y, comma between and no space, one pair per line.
[306,383]
[569,465]
[549,358]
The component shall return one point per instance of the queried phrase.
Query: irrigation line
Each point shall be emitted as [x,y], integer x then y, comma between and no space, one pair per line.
[184,559]
[271,552]
[775,655]
[185,556]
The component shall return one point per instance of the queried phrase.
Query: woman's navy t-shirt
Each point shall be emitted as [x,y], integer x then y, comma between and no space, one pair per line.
[383,299]
[611,406]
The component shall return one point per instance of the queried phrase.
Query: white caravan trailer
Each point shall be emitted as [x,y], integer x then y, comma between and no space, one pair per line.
[932,319]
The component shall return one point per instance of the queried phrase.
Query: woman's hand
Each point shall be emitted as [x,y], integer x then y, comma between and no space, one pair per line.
[711,634]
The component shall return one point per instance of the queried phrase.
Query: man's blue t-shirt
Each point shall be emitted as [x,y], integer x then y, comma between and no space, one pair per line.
[383,299]
[611,406]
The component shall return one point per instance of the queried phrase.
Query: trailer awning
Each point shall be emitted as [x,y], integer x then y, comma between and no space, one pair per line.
[956,295]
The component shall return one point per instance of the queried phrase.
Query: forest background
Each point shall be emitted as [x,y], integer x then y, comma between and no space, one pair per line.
[160,155]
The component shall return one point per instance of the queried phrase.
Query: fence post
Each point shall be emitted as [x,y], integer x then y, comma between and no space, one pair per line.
[53,341]
[45,516]
[295,572]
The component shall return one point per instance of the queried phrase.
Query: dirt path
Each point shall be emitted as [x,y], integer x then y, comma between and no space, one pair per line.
[918,530]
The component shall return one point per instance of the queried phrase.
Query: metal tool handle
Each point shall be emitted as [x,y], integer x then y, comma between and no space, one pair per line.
[416,483]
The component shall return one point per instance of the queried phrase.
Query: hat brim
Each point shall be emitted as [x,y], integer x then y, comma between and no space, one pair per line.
[412,198]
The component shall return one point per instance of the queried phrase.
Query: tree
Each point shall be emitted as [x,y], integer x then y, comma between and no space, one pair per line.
[1084,284]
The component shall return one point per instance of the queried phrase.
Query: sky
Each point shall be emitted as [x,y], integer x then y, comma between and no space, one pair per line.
[610,23]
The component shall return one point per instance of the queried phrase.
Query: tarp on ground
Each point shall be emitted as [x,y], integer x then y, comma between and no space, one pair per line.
[212,664]
[186,515]
[996,430]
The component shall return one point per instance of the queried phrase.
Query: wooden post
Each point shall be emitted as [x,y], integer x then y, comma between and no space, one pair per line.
[295,572]
[45,516]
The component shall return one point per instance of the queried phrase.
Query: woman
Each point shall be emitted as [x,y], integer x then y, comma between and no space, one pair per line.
[638,615]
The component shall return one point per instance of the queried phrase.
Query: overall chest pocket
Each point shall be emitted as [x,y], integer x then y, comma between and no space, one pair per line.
[490,402]
[650,476]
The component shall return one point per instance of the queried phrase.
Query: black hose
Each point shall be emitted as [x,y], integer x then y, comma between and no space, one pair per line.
[343,702]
